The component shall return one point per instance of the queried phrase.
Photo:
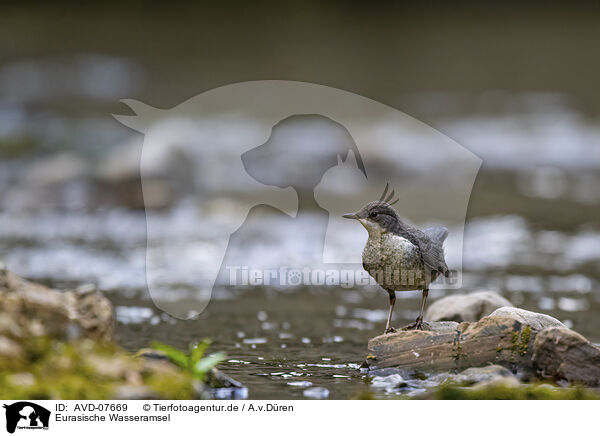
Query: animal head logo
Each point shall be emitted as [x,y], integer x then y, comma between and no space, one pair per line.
[261,173]
[26,415]
[342,187]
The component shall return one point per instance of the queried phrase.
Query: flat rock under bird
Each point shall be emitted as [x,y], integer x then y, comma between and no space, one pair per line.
[398,256]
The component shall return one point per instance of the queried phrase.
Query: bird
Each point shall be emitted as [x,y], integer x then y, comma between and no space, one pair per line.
[400,257]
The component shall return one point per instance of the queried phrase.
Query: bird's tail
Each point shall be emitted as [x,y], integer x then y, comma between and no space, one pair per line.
[438,233]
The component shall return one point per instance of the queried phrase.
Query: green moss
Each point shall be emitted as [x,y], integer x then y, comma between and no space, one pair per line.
[523,392]
[171,386]
[82,370]
[514,340]
[57,371]
[364,395]
[515,346]
[457,349]
[525,336]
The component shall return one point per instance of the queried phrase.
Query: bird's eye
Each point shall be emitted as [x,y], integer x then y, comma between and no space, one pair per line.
[372,214]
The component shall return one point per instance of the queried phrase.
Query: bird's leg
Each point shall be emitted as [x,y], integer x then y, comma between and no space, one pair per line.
[388,326]
[419,320]
[418,324]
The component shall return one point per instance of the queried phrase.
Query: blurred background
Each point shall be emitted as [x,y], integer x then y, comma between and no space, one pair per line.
[516,84]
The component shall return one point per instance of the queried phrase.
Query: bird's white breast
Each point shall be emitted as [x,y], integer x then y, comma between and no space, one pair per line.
[389,253]
[395,242]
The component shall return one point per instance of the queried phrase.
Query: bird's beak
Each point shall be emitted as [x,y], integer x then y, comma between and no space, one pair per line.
[351,216]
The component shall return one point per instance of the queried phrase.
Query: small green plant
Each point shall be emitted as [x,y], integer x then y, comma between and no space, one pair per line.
[194,362]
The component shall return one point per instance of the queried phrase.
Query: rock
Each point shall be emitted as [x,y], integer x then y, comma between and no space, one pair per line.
[510,382]
[493,339]
[118,177]
[70,336]
[121,163]
[57,169]
[316,393]
[93,312]
[510,389]
[440,327]
[563,354]
[217,379]
[529,344]
[29,309]
[537,321]
[389,383]
[86,368]
[484,374]
[468,307]
[110,367]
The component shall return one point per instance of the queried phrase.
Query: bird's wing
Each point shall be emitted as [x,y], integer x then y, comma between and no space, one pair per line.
[430,243]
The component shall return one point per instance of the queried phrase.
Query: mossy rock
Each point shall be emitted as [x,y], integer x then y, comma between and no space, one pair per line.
[86,369]
[508,392]
[60,345]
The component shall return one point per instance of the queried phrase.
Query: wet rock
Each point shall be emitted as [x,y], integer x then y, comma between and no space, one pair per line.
[528,344]
[316,393]
[30,310]
[227,394]
[483,374]
[537,321]
[388,383]
[440,327]
[469,307]
[563,354]
[217,379]
[493,339]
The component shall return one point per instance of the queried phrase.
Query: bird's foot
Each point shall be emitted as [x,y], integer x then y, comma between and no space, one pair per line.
[389,330]
[417,325]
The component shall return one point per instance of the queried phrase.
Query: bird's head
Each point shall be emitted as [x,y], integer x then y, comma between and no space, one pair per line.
[376,217]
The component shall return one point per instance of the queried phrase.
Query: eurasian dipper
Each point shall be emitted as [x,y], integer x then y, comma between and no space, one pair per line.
[398,256]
